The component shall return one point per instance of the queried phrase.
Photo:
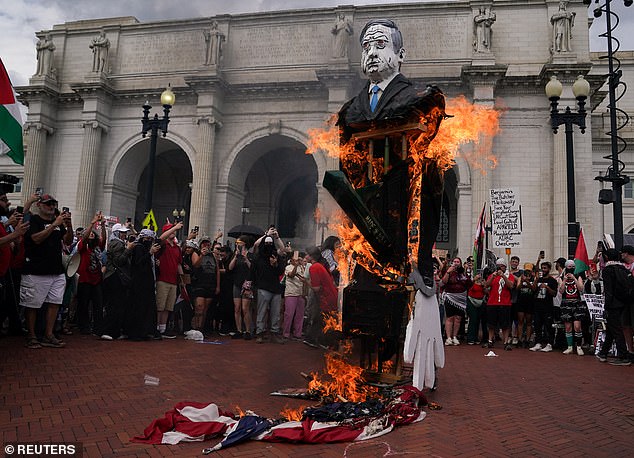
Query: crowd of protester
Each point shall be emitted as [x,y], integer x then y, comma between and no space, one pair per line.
[141,286]
[541,308]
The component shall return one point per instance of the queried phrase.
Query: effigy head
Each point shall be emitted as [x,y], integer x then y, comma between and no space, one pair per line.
[382,49]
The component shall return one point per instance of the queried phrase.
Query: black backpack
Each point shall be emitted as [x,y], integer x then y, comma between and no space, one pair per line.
[623,285]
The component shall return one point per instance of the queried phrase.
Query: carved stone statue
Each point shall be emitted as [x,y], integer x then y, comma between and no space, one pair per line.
[214,39]
[482,23]
[100,46]
[341,31]
[563,21]
[45,48]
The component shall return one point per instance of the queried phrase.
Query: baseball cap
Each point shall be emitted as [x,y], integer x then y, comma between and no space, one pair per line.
[570,264]
[268,240]
[167,227]
[46,198]
[627,249]
[120,228]
[500,262]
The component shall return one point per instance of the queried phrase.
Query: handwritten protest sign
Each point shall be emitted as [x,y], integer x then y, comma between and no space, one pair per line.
[595,304]
[506,220]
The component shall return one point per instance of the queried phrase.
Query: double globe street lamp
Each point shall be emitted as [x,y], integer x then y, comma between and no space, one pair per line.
[153,125]
[581,90]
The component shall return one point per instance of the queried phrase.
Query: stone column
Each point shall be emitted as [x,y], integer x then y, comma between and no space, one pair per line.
[201,204]
[85,199]
[35,159]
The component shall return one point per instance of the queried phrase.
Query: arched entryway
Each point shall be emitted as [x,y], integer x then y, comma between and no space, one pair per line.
[172,181]
[447,238]
[273,181]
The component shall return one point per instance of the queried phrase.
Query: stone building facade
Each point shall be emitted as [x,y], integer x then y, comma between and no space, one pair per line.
[249,87]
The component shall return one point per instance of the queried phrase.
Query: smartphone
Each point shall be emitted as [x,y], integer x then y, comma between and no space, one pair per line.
[542,255]
[128,220]
[39,192]
[196,228]
[600,246]
[19,209]
[295,254]
[65,210]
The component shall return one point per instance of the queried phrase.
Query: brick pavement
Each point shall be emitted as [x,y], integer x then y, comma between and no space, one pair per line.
[518,404]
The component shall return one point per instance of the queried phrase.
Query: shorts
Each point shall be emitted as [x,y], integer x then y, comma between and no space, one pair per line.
[572,311]
[35,290]
[499,316]
[451,310]
[205,293]
[239,293]
[165,296]
[525,306]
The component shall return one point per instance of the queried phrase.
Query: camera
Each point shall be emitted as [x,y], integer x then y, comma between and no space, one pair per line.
[39,191]
[65,210]
[131,238]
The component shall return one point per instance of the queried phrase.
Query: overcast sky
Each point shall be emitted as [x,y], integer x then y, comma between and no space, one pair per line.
[20,19]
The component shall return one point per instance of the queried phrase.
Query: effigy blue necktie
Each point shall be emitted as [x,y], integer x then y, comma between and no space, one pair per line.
[374,101]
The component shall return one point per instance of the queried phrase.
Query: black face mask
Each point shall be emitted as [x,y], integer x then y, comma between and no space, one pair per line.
[147,243]
[570,271]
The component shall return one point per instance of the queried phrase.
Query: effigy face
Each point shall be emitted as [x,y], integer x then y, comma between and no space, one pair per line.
[379,60]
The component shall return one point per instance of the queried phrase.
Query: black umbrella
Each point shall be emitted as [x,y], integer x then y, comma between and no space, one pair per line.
[245,229]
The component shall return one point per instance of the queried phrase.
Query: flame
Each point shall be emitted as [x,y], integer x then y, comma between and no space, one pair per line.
[293,414]
[344,382]
[332,322]
[241,412]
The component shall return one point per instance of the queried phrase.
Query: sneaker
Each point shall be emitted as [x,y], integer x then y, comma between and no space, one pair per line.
[52,342]
[616,362]
[455,341]
[580,351]
[236,335]
[525,344]
[601,358]
[106,337]
[548,348]
[449,341]
[568,351]
[279,339]
[490,344]
[157,335]
[536,347]
[515,341]
[508,347]
[470,343]
[247,336]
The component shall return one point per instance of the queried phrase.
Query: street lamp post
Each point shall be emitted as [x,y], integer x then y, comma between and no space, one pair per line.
[179,216]
[581,90]
[153,125]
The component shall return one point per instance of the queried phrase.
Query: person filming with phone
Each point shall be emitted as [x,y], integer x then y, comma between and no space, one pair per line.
[240,264]
[43,279]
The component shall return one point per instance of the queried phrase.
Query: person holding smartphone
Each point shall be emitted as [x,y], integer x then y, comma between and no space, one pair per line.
[240,265]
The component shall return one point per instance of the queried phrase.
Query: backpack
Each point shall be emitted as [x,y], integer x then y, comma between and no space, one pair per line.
[623,285]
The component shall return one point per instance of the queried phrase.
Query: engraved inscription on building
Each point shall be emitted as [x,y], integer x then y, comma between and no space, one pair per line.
[278,45]
[161,51]
[436,37]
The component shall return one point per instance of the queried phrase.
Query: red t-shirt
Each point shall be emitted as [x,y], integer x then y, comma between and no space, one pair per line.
[89,269]
[319,276]
[170,258]
[500,295]
[5,253]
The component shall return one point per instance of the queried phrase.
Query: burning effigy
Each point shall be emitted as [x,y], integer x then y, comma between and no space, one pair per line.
[393,156]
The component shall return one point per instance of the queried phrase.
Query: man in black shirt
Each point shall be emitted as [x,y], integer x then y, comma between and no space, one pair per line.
[43,279]
[543,317]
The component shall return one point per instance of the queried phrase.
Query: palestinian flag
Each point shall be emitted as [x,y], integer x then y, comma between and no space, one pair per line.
[478,243]
[10,120]
[582,262]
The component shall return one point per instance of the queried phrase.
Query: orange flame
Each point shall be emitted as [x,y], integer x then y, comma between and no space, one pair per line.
[293,414]
[332,322]
[344,382]
[241,412]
